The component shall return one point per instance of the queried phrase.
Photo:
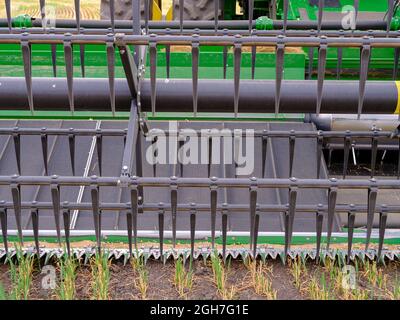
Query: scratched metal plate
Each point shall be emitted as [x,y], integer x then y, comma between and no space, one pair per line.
[86,160]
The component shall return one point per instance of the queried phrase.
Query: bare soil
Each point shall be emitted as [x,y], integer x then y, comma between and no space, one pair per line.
[161,282]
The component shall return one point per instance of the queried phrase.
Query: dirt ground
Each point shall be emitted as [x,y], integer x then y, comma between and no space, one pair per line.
[161,282]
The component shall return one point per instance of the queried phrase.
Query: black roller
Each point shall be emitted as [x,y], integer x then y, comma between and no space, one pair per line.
[297,96]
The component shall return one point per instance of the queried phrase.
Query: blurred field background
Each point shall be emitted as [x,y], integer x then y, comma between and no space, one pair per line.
[90,9]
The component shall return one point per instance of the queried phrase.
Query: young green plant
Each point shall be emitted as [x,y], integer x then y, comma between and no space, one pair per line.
[260,279]
[66,289]
[220,278]
[21,275]
[183,280]
[141,276]
[100,276]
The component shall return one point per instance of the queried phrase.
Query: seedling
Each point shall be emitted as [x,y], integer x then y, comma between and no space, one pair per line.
[220,278]
[141,276]
[183,279]
[68,266]
[3,294]
[318,289]
[100,276]
[21,275]
[297,270]
[260,278]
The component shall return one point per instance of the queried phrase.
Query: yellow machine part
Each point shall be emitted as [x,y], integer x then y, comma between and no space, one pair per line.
[158,12]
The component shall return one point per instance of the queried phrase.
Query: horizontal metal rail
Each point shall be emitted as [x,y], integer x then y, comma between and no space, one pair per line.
[220,32]
[183,40]
[200,182]
[193,133]
[204,24]
[110,208]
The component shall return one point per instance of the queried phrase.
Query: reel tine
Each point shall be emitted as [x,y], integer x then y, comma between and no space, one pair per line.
[374,152]
[372,195]
[99,147]
[42,5]
[332,197]
[54,59]
[55,198]
[320,13]
[285,14]
[346,154]
[44,140]
[210,146]
[134,205]
[356,9]
[16,196]
[168,59]
[192,231]
[322,53]
[7,4]
[237,64]
[69,67]
[181,7]
[320,141]
[264,154]
[213,200]
[253,207]
[224,232]
[3,223]
[351,219]
[195,73]
[78,14]
[319,223]
[292,212]
[255,232]
[17,148]
[112,15]
[82,59]
[216,14]
[347,145]
[251,15]
[280,56]
[27,59]
[35,227]
[365,58]
[339,63]
[225,60]
[111,73]
[161,216]
[67,221]
[253,61]
[382,228]
[174,207]
[94,191]
[146,15]
[71,143]
[153,142]
[287,231]
[389,15]
[153,74]
[310,62]
[129,228]
[292,145]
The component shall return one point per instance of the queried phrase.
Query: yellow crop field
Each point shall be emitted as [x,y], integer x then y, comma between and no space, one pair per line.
[64,9]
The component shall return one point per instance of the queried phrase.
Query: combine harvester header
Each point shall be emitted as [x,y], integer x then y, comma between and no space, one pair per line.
[235,93]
